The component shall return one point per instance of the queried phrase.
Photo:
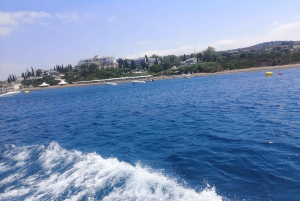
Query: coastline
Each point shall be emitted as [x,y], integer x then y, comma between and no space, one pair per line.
[252,69]
[261,68]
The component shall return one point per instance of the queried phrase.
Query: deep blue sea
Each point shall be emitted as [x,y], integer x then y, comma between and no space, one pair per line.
[220,137]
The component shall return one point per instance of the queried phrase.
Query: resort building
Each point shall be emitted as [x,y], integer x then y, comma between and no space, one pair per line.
[103,62]
[138,62]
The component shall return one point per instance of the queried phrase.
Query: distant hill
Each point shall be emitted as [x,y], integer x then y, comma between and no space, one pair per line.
[262,47]
[266,45]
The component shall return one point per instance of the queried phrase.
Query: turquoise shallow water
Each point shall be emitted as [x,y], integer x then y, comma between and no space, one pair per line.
[232,136]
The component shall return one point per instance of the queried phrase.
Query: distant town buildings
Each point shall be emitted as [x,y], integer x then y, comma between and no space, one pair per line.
[111,62]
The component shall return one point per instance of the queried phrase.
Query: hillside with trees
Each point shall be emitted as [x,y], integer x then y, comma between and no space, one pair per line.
[260,59]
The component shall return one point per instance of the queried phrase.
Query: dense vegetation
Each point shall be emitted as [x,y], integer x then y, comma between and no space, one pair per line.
[260,59]
[86,74]
[206,67]
[36,82]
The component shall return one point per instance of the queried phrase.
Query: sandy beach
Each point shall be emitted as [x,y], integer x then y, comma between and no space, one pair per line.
[264,68]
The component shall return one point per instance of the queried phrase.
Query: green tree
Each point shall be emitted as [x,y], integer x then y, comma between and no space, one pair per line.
[126,65]
[84,67]
[156,62]
[210,54]
[243,55]
[94,66]
[38,72]
[155,69]
[120,62]
[200,56]
[144,65]
[32,72]
[132,65]
[28,73]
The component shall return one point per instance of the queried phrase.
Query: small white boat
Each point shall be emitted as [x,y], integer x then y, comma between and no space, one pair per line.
[187,76]
[138,82]
[111,83]
[10,93]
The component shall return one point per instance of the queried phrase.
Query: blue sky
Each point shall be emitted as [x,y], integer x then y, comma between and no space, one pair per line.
[42,34]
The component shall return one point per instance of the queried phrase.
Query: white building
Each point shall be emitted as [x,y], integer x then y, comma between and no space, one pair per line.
[103,62]
[85,61]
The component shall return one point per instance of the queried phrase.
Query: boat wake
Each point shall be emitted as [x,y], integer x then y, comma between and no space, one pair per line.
[54,173]
[11,93]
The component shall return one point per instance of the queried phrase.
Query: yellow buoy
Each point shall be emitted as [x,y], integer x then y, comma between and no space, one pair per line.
[269,74]
[26,92]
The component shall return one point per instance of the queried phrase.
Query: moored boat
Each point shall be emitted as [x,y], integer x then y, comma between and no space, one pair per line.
[111,83]
[138,82]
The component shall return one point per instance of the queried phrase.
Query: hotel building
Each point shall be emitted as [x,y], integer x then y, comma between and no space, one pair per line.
[103,62]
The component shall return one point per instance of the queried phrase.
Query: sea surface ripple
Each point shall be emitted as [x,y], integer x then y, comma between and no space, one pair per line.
[223,137]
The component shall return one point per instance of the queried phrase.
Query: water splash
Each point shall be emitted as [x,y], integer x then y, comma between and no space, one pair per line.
[47,173]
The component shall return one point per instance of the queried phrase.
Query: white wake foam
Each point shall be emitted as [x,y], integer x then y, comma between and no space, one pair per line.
[55,173]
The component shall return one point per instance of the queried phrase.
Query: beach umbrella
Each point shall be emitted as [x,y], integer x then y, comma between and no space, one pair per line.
[62,82]
[44,85]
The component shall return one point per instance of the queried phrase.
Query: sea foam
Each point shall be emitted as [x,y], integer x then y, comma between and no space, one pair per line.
[50,173]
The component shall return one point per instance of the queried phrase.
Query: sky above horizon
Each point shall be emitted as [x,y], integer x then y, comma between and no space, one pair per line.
[42,34]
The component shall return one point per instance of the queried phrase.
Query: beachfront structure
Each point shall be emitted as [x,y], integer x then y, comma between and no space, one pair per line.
[103,62]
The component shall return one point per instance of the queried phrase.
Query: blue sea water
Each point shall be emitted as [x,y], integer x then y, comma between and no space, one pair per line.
[221,137]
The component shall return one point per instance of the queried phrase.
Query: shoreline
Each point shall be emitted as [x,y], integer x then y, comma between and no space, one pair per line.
[252,69]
